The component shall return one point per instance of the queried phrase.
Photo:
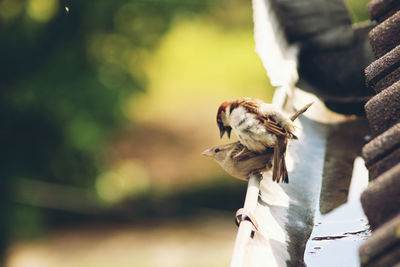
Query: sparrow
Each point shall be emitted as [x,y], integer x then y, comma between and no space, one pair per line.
[259,126]
[240,162]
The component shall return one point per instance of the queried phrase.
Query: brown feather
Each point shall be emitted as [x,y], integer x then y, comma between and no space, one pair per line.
[300,111]
[272,126]
[279,171]
[285,176]
[241,153]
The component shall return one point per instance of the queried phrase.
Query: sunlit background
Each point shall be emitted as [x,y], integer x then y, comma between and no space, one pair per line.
[105,109]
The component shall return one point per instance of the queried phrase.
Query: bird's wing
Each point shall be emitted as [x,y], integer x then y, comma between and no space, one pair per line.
[278,56]
[271,125]
[241,153]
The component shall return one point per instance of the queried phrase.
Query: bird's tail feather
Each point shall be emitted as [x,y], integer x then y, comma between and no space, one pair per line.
[285,176]
[279,171]
[300,111]
[276,173]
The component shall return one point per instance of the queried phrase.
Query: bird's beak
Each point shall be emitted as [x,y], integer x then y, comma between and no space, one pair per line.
[227,130]
[207,153]
[221,132]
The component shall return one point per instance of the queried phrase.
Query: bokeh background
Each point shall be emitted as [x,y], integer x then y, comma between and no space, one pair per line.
[105,108]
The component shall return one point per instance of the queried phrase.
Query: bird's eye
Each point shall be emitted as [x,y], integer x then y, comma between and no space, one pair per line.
[217,150]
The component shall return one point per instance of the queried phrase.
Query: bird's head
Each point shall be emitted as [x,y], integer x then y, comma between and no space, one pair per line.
[219,153]
[223,125]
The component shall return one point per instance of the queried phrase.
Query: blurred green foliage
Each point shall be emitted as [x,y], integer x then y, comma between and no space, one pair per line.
[66,68]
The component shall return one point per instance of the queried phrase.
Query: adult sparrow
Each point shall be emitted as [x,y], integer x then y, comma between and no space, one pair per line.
[259,126]
[240,162]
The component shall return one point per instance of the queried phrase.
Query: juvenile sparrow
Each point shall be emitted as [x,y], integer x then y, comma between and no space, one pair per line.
[240,162]
[259,126]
